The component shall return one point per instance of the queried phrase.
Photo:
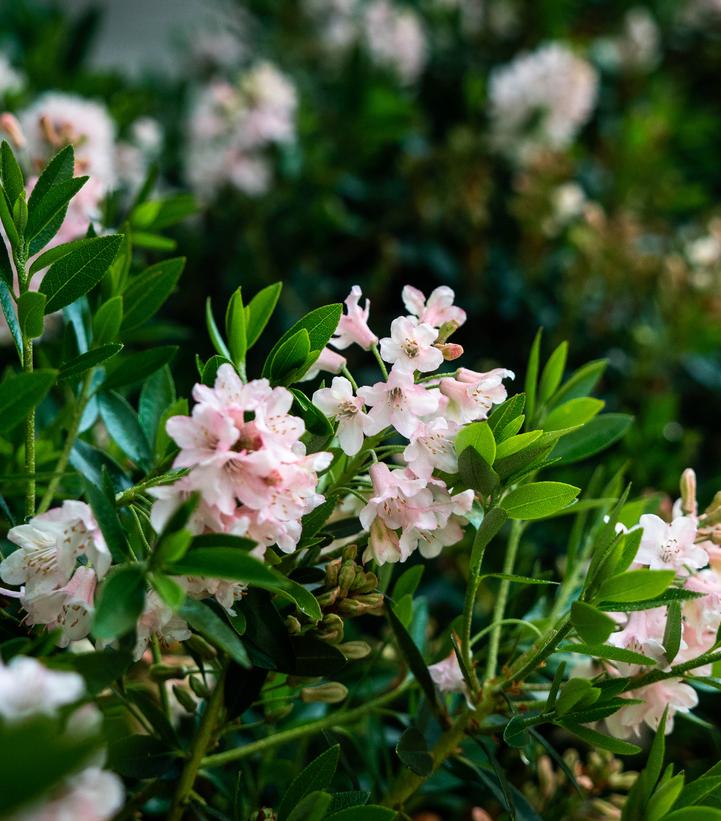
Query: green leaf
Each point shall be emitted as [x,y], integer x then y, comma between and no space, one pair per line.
[214,333]
[20,393]
[502,415]
[313,807]
[697,790]
[320,324]
[491,525]
[670,595]
[235,327]
[8,306]
[478,436]
[7,272]
[162,212]
[595,436]
[609,652]
[532,376]
[413,657]
[12,176]
[290,357]
[516,734]
[157,394]
[120,602]
[553,373]
[148,291]
[107,320]
[137,367]
[694,814]
[124,428]
[636,585]
[60,169]
[99,669]
[314,657]
[408,582]
[31,313]
[591,625]
[169,590]
[79,271]
[45,215]
[580,383]
[316,776]
[55,253]
[516,444]
[413,752]
[80,364]
[673,631]
[260,310]
[577,692]
[573,413]
[604,742]
[538,499]
[8,223]
[140,756]
[371,812]
[107,517]
[476,473]
[204,620]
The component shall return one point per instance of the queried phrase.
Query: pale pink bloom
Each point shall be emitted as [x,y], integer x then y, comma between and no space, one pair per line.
[447,675]
[398,402]
[383,545]
[471,394]
[91,795]
[69,609]
[431,448]
[437,310]
[702,616]
[450,513]
[671,546]
[202,435]
[339,403]
[28,688]
[395,38]
[353,325]
[673,694]
[168,498]
[410,346]
[157,619]
[49,546]
[328,362]
[225,592]
[643,633]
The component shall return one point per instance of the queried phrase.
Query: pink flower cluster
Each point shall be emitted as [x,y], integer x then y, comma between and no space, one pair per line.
[409,508]
[245,457]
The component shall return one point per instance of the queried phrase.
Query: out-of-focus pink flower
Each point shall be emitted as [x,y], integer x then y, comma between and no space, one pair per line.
[398,402]
[328,362]
[447,675]
[339,403]
[29,688]
[69,609]
[671,546]
[431,448]
[437,310]
[702,616]
[395,38]
[353,325]
[672,694]
[157,619]
[410,346]
[471,394]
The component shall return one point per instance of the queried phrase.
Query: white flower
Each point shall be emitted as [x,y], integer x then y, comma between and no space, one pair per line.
[10,78]
[398,402]
[431,448]
[339,402]
[672,695]
[671,546]
[28,688]
[91,795]
[329,362]
[447,675]
[395,38]
[410,346]
[435,311]
[157,619]
[551,83]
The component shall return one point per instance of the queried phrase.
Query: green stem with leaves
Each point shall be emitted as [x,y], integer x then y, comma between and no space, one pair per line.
[207,729]
[29,436]
[499,610]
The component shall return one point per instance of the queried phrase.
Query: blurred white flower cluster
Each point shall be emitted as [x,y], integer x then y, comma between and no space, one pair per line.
[540,101]
[10,78]
[231,124]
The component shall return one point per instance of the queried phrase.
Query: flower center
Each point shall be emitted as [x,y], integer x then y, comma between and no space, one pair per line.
[670,550]
[410,348]
[395,397]
[347,409]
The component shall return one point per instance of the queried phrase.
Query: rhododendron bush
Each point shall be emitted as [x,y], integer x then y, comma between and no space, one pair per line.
[217,606]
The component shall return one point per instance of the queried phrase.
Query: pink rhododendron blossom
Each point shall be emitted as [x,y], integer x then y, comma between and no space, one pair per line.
[398,402]
[29,688]
[447,675]
[702,616]
[670,546]
[226,593]
[91,795]
[328,362]
[471,394]
[353,325]
[672,694]
[643,633]
[157,619]
[431,448]
[410,346]
[437,310]
[339,403]
[450,514]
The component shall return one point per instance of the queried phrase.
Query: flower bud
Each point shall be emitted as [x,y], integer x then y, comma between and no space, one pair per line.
[328,598]
[298,681]
[264,814]
[346,577]
[713,511]
[364,583]
[355,649]
[331,628]
[293,625]
[10,124]
[186,701]
[350,552]
[446,330]
[331,573]
[201,648]
[330,693]
[360,604]
[164,672]
[450,350]
[688,492]
[199,687]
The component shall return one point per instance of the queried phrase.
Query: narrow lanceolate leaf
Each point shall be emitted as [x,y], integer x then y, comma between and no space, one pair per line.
[79,271]
[137,367]
[476,473]
[316,776]
[290,356]
[572,413]
[595,436]
[552,373]
[636,585]
[107,517]
[591,625]
[107,320]
[80,364]
[608,651]
[531,383]
[413,751]
[320,325]
[580,383]
[124,428]
[204,620]
[12,176]
[235,330]
[259,311]
[478,436]
[55,253]
[538,499]
[120,602]
[604,742]
[673,631]
[47,211]
[503,414]
[31,313]
[60,169]
[147,291]
[20,393]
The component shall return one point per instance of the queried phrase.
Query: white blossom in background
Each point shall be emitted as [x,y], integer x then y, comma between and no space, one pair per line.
[337,22]
[540,100]
[28,688]
[230,126]
[395,38]
[567,203]
[11,80]
[134,155]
